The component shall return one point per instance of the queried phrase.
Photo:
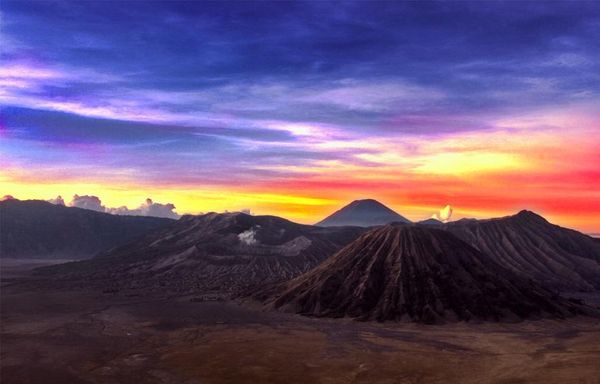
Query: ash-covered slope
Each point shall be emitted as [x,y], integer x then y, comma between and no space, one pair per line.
[414,273]
[363,213]
[559,258]
[38,229]
[212,252]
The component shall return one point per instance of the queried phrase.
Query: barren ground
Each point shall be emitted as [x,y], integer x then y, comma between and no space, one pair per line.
[64,336]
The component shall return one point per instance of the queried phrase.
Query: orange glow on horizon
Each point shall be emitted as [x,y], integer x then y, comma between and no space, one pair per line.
[482,175]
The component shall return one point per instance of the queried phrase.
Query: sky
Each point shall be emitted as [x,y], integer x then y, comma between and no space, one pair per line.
[297,108]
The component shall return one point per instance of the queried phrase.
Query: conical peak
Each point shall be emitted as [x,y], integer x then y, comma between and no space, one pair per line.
[368,204]
[363,213]
[366,201]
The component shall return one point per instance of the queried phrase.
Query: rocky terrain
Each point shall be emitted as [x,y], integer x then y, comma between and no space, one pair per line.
[212,253]
[561,259]
[363,213]
[84,337]
[415,273]
[38,229]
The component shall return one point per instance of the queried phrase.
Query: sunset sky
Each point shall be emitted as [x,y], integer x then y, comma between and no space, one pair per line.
[295,109]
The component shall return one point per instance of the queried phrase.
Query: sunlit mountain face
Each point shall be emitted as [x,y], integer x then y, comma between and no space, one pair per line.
[296,109]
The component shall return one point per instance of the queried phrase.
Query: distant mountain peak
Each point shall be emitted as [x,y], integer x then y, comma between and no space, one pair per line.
[366,201]
[430,221]
[363,213]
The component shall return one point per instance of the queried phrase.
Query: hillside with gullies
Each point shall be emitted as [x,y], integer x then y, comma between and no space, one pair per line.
[559,258]
[415,273]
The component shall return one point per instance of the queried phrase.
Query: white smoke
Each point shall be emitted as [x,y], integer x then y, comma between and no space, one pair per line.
[247,237]
[57,201]
[444,215]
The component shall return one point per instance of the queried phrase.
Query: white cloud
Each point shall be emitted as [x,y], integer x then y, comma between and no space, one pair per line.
[57,201]
[87,202]
[148,208]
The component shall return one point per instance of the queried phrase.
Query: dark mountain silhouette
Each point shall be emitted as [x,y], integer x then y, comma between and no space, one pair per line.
[465,220]
[415,273]
[213,252]
[431,221]
[38,229]
[559,258]
[363,213]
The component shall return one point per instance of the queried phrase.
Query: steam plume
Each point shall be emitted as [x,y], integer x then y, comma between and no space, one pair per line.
[444,215]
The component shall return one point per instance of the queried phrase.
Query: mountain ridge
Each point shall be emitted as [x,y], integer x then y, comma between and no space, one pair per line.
[39,229]
[560,258]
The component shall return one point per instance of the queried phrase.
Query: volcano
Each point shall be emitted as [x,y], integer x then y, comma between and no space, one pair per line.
[414,273]
[223,252]
[363,213]
[561,259]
